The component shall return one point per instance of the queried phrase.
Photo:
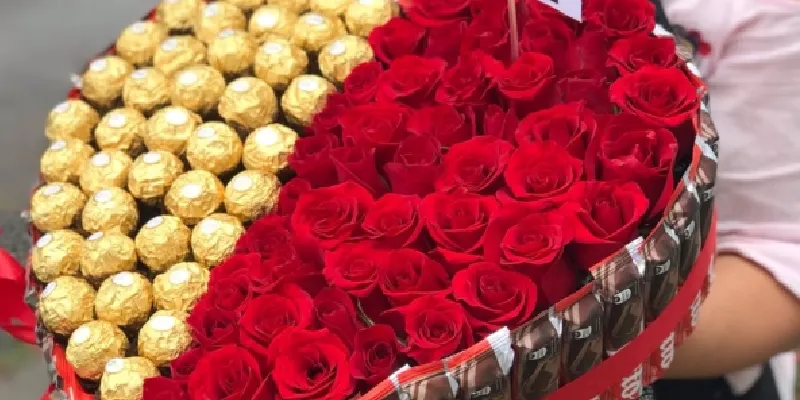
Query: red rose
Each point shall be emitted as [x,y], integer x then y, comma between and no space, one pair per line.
[607,216]
[620,18]
[588,51]
[377,125]
[374,355]
[269,315]
[529,77]
[211,327]
[470,81]
[310,365]
[661,96]
[163,388]
[548,35]
[475,165]
[396,38]
[570,125]
[500,123]
[415,165]
[411,80]
[393,221]
[494,297]
[230,286]
[360,86]
[183,366]
[268,236]
[541,171]
[290,192]
[357,164]
[489,32]
[407,274]
[555,284]
[435,328]
[443,122]
[311,159]
[230,373]
[326,122]
[435,12]
[301,265]
[589,86]
[335,311]
[445,41]
[331,215]
[353,267]
[631,54]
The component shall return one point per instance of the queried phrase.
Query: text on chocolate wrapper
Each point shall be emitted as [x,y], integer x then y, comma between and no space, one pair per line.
[583,333]
[538,354]
[632,385]
[667,351]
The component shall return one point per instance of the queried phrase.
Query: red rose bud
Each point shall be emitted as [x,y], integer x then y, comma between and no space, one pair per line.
[335,311]
[620,18]
[405,275]
[415,165]
[529,82]
[381,126]
[357,164]
[445,41]
[211,327]
[394,221]
[570,125]
[361,85]
[474,166]
[445,123]
[398,37]
[268,236]
[435,12]
[353,267]
[311,159]
[326,122]
[411,80]
[375,354]
[470,82]
[661,96]
[269,315]
[631,54]
[163,388]
[489,32]
[540,172]
[588,86]
[230,373]
[290,192]
[333,215]
[548,35]
[435,328]
[182,367]
[500,123]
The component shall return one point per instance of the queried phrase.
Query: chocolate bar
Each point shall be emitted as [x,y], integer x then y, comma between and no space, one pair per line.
[538,357]
[583,336]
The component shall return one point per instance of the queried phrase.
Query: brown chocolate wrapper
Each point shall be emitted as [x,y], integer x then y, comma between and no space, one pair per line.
[683,216]
[179,52]
[705,175]
[426,382]
[138,42]
[708,131]
[178,15]
[537,365]
[483,372]
[662,256]
[215,17]
[583,335]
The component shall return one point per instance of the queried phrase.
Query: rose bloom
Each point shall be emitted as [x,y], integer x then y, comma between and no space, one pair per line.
[381,126]
[620,18]
[540,172]
[335,311]
[571,125]
[444,41]
[470,81]
[375,354]
[436,12]
[163,388]
[326,122]
[394,221]
[230,373]
[406,274]
[661,96]
[588,86]
[311,159]
[212,327]
[358,164]
[415,165]
[632,54]
[411,80]
[353,267]
[360,86]
[268,315]
[446,123]
[333,215]
[435,328]
[474,166]
[396,38]
[500,123]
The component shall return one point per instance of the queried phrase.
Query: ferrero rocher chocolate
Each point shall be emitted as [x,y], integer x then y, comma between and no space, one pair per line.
[65,304]
[63,161]
[138,42]
[194,196]
[178,15]
[105,254]
[180,287]
[55,254]
[169,129]
[198,88]
[214,238]
[56,206]
[162,242]
[331,8]
[145,90]
[251,194]
[214,147]
[121,129]
[179,52]
[313,30]
[267,149]
[278,62]
[92,345]
[296,6]
[304,97]
[272,21]
[152,174]
[246,5]
[123,378]
[104,80]
[217,16]
[338,58]
[71,119]
[105,169]
[112,210]
[164,337]
[232,52]
[124,299]
[248,103]
[362,16]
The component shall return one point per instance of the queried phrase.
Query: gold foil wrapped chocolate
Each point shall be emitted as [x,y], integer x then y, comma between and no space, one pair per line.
[169,129]
[198,88]
[105,169]
[248,103]
[338,58]
[179,288]
[214,238]
[362,16]
[217,16]
[278,62]
[267,149]
[214,147]
[272,21]
[164,337]
[162,242]
[304,97]
[63,161]
[179,52]
[122,130]
[124,299]
[55,254]
[246,5]
[146,90]
[105,254]
[123,378]
[71,119]
[111,209]
[194,196]
[138,42]
[152,174]
[65,304]
[178,15]
[251,194]
[314,30]
[104,80]
[232,52]
[92,345]
[296,6]
[56,206]
[331,8]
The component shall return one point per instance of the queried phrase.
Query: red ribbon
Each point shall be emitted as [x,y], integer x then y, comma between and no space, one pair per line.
[16,317]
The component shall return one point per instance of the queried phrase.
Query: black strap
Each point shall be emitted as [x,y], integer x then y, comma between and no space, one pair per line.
[661,16]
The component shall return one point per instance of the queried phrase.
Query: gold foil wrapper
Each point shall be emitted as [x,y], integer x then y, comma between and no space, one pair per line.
[248,103]
[138,42]
[362,16]
[104,80]
[232,52]
[122,130]
[146,90]
[178,15]
[331,8]
[105,169]
[56,206]
[338,58]
[198,88]
[162,242]
[304,97]
[251,194]
[152,174]
[278,62]
[180,287]
[110,210]
[123,378]
[246,5]
[65,304]
[267,149]
[169,129]
[92,345]
[214,239]
[72,119]
[105,254]
[124,299]
[214,147]
[194,196]
[314,30]
[55,254]
[63,161]
[164,337]
[179,52]
[296,6]
[217,16]
[272,21]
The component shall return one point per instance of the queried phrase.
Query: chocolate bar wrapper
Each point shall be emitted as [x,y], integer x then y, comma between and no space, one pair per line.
[705,175]
[683,216]
[431,381]
[537,363]
[708,132]
[662,255]
[583,335]
[483,372]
